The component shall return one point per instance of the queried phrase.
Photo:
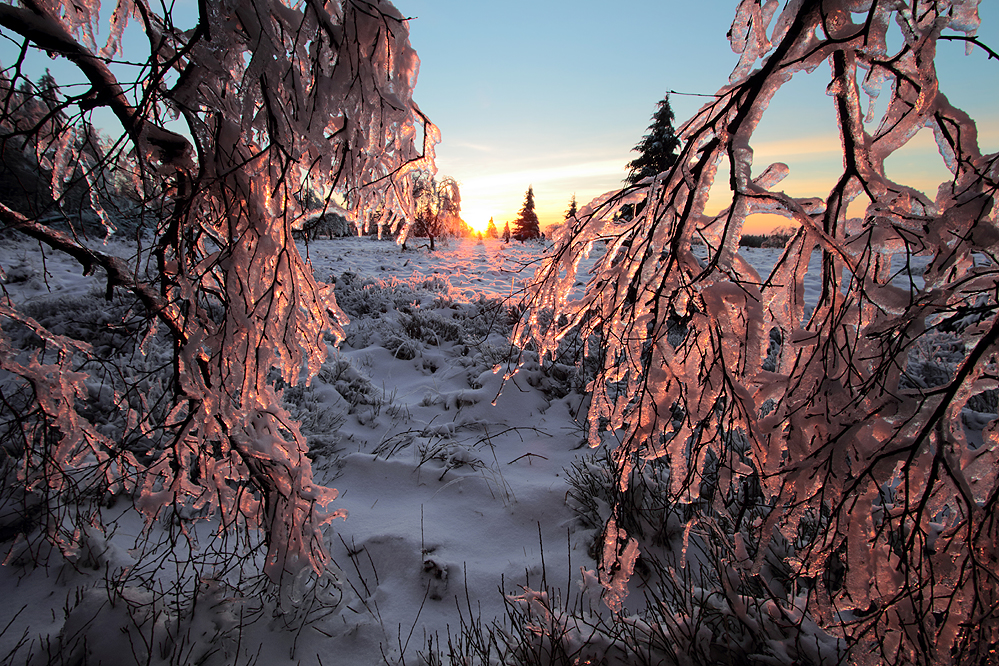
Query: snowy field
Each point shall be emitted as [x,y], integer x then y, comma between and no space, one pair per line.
[455,484]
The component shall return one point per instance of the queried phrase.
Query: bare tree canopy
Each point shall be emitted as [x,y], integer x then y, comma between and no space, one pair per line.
[228,124]
[438,207]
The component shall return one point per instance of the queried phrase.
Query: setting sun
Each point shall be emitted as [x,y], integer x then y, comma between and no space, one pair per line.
[477,217]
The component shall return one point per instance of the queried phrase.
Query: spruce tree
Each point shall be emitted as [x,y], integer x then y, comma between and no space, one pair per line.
[506,232]
[658,148]
[571,213]
[526,225]
[491,229]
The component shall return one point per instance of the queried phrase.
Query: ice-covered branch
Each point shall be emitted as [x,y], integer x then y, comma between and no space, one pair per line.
[736,379]
[119,273]
[283,103]
[35,23]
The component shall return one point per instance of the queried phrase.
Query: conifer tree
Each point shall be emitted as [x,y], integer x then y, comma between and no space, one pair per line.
[571,213]
[526,224]
[506,232]
[491,230]
[658,148]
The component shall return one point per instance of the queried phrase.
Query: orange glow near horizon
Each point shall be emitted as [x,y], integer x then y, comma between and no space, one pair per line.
[765,223]
[476,217]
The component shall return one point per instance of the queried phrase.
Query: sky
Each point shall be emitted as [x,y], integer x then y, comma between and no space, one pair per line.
[556,93]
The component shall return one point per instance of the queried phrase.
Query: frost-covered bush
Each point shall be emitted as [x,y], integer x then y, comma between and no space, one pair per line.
[852,438]
[409,316]
[230,124]
[359,296]
[109,327]
[643,506]
[691,556]
[688,620]
[431,328]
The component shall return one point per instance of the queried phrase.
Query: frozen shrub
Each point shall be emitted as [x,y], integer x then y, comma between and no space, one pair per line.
[431,328]
[359,296]
[353,386]
[483,318]
[489,355]
[407,317]
[18,273]
[690,619]
[322,406]
[437,284]
[401,348]
[108,327]
[643,507]
[986,402]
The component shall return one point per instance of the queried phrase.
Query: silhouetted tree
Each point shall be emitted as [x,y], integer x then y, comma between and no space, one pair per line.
[506,232]
[657,153]
[571,213]
[658,149]
[526,225]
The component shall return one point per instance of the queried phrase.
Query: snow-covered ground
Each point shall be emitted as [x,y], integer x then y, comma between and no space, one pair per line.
[452,486]
[487,269]
[455,483]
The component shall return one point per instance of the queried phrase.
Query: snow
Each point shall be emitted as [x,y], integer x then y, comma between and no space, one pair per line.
[451,485]
[490,269]
[454,480]
[165,510]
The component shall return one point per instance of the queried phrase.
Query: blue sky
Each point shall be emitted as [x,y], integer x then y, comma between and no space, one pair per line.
[556,93]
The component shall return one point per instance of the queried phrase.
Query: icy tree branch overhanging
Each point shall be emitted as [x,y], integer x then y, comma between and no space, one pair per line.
[285,106]
[812,420]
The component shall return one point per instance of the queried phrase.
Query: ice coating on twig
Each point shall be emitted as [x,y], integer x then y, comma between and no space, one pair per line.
[705,361]
[283,105]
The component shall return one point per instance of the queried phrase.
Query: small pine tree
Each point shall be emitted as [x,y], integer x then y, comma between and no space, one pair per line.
[658,148]
[506,232]
[491,230]
[571,213]
[526,224]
